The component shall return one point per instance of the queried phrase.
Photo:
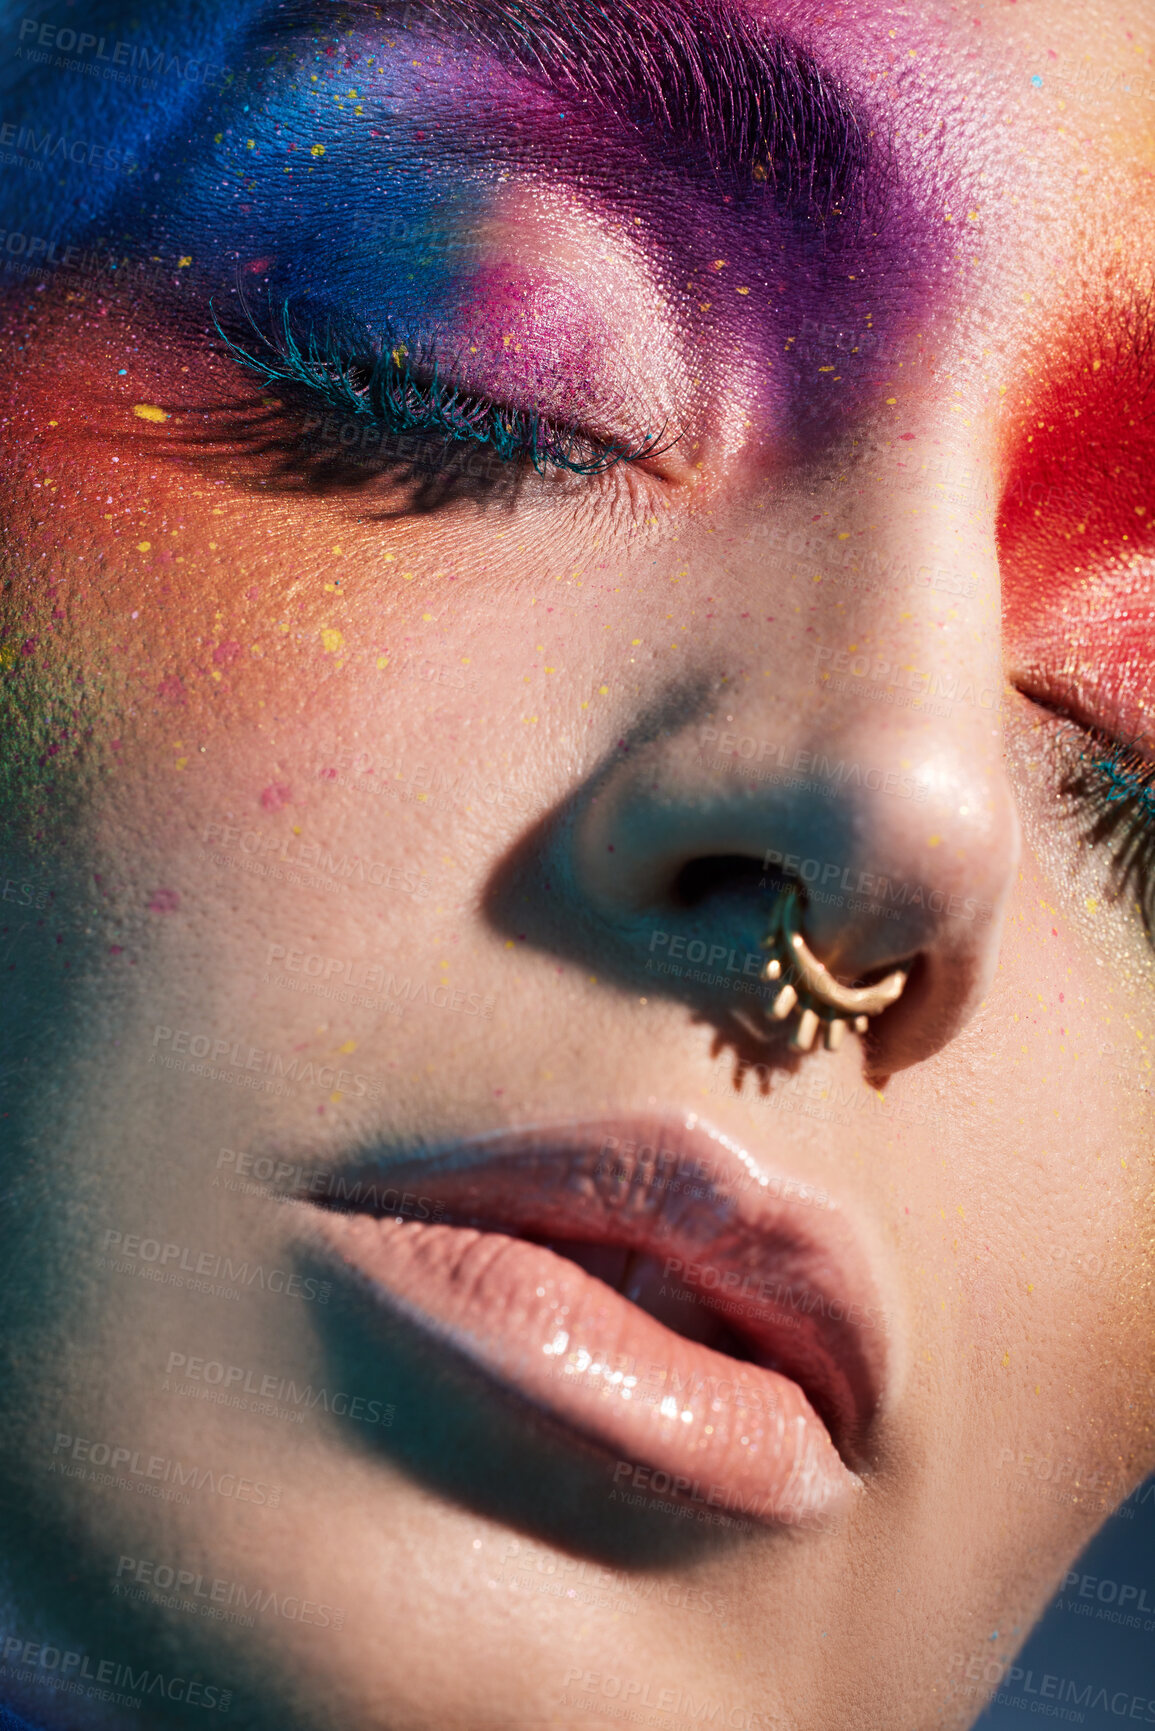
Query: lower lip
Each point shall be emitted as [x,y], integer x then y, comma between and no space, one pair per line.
[729,1434]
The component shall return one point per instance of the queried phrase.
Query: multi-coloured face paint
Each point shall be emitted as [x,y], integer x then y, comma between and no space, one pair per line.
[379,179]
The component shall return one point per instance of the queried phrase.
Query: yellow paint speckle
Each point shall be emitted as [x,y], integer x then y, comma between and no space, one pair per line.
[317,150]
[183,264]
[143,546]
[382,663]
[332,640]
[146,412]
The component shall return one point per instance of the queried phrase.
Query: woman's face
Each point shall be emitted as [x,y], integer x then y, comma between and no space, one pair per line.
[440,1295]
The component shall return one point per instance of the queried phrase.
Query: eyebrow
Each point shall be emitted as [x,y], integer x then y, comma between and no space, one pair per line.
[730,99]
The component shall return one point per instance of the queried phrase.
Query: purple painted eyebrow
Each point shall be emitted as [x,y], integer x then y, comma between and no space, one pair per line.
[694,81]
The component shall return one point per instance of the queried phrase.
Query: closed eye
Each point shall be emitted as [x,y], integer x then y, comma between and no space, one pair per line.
[386,402]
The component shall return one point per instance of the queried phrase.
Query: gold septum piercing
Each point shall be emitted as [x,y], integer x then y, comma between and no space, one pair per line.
[822,1001]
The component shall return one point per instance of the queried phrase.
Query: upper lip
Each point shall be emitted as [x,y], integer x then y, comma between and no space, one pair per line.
[773,1259]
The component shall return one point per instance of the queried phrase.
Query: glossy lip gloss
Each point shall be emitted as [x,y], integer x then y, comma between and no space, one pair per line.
[540,1250]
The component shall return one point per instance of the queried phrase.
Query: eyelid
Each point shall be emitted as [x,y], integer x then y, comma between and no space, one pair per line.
[1083,702]
[419,461]
[1106,790]
[377,378]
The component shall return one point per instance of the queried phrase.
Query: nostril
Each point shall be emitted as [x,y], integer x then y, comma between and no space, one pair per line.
[728,876]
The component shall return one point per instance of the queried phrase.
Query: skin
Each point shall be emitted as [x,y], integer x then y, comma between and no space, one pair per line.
[249,654]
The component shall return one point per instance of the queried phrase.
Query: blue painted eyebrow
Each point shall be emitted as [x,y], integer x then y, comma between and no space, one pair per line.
[693,80]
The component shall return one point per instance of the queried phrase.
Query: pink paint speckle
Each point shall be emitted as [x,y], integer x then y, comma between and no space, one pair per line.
[275,796]
[225,654]
[164,902]
[171,689]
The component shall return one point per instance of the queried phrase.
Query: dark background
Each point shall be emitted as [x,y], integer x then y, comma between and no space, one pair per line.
[1083,1646]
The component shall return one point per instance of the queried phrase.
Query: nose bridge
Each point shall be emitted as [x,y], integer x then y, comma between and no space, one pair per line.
[903,665]
[899,566]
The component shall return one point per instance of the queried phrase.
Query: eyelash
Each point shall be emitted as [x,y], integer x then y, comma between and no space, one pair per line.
[375,383]
[1113,787]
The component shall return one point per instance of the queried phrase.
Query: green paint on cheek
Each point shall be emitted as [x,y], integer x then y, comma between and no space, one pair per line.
[57,721]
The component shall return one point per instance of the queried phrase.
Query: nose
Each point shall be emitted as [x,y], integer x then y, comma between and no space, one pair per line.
[869,783]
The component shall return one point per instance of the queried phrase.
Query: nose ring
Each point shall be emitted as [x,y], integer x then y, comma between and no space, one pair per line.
[820,999]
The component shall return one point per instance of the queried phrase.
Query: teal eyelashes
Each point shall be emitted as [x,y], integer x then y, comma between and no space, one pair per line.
[1114,787]
[399,387]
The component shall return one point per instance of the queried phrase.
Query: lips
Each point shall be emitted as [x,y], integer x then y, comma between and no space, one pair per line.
[710,1326]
